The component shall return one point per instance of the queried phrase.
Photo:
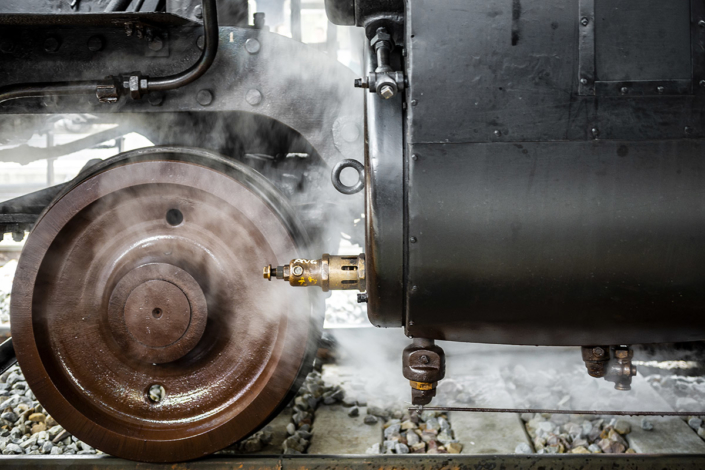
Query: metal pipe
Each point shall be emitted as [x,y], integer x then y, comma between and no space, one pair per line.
[35,90]
[210,26]
[118,5]
[171,82]
[7,355]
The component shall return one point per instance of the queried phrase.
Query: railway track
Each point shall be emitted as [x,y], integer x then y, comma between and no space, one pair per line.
[382,462]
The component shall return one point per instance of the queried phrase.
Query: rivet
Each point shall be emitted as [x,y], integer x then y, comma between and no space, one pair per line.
[201,42]
[583,81]
[701,23]
[497,133]
[414,289]
[624,90]
[95,44]
[155,98]
[414,102]
[412,239]
[253,97]
[252,46]
[595,132]
[414,157]
[688,130]
[204,97]
[660,90]
[702,83]
[584,21]
[52,44]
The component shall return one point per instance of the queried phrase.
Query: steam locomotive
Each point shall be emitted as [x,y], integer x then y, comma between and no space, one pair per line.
[529,173]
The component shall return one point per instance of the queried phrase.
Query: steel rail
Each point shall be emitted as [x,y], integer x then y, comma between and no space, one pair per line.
[559,412]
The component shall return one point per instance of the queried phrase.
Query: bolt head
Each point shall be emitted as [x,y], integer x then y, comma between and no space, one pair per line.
[198,11]
[155,98]
[386,92]
[51,44]
[156,44]
[598,351]
[252,46]
[297,270]
[424,359]
[204,97]
[621,353]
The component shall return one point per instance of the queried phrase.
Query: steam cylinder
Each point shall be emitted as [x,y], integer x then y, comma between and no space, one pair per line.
[537,184]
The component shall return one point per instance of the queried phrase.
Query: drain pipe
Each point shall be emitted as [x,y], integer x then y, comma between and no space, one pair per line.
[135,84]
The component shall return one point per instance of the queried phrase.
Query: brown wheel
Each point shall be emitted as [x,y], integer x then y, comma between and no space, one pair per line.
[139,315]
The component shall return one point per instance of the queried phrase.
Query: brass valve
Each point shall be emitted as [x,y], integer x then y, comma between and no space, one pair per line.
[330,272]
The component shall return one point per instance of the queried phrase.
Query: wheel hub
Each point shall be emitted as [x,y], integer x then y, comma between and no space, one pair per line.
[157,313]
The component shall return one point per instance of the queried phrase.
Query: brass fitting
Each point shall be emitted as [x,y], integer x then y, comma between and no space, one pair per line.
[330,272]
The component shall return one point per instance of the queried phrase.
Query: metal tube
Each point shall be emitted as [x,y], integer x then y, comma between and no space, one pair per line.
[34,90]
[118,5]
[7,355]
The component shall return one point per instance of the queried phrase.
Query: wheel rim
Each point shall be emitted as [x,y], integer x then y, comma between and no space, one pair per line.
[117,294]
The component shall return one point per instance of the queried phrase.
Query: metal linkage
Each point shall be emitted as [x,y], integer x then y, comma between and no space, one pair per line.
[135,85]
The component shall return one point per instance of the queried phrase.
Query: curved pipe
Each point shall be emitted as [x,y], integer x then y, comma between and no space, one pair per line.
[171,82]
[210,26]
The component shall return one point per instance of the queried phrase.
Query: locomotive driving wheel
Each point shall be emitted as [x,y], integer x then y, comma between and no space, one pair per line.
[139,316]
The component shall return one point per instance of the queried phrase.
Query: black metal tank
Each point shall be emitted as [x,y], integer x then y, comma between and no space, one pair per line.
[541,179]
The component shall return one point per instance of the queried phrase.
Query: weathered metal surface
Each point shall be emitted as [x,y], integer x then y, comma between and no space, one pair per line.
[410,462]
[160,300]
